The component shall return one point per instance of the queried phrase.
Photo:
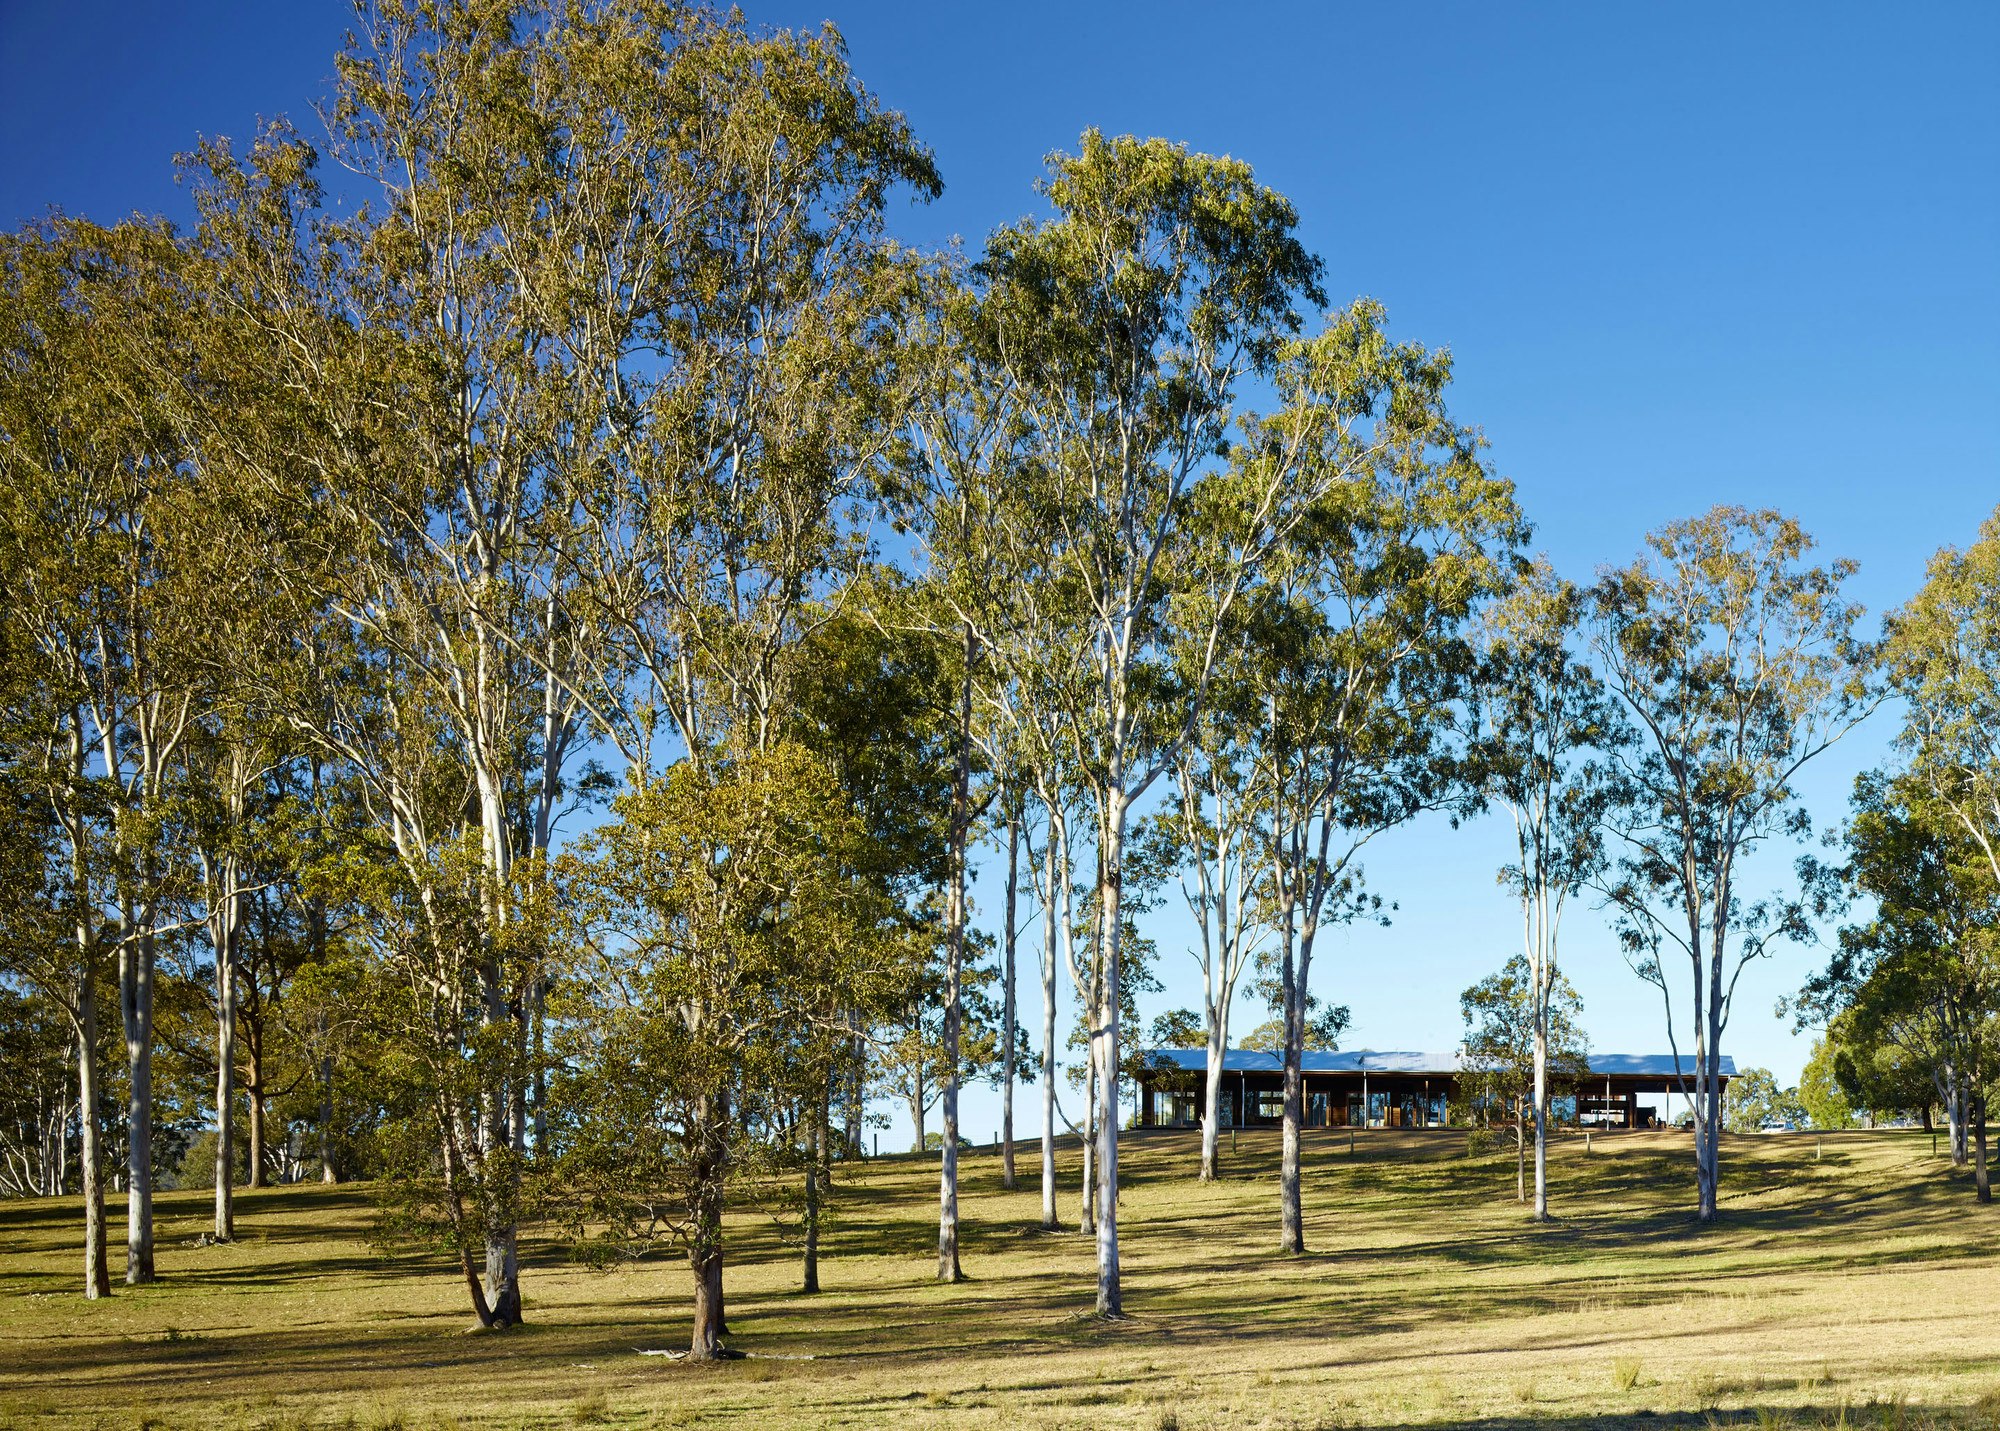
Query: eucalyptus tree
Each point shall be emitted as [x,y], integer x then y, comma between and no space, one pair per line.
[1053,869]
[912,1060]
[37,1098]
[38,958]
[868,668]
[1539,716]
[692,216]
[376,394]
[1404,532]
[1520,1026]
[288,936]
[1215,819]
[582,394]
[1921,977]
[967,437]
[1944,660]
[223,776]
[1010,1023]
[1120,326]
[998,612]
[1738,664]
[89,516]
[52,936]
[41,1114]
[717,917]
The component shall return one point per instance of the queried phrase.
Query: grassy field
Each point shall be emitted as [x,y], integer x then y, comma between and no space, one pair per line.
[1856,1287]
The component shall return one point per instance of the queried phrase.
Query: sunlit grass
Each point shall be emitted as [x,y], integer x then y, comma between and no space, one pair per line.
[1855,1290]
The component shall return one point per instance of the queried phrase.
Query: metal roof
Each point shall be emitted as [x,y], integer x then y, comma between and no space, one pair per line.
[1253,1060]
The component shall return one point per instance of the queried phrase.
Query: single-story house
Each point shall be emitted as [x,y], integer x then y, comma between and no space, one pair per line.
[1377,1089]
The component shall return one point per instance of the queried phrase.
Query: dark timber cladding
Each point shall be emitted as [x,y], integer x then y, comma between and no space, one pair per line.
[1374,1089]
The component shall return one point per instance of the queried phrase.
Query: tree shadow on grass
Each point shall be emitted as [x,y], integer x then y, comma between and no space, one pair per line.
[1834,1415]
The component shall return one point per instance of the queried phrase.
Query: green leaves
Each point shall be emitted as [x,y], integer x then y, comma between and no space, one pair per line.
[1499,1015]
[729,933]
[1944,660]
[1739,663]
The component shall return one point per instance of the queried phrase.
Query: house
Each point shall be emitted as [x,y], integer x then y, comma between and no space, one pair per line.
[1376,1089]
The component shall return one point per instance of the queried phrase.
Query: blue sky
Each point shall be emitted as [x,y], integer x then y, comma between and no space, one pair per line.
[1683,255]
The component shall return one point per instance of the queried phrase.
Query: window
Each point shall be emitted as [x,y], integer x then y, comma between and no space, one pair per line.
[1271,1105]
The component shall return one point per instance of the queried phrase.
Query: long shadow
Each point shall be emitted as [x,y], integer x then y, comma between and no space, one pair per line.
[1615,1246]
[1862,1416]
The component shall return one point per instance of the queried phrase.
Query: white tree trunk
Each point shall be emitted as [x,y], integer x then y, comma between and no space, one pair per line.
[96,1259]
[955,917]
[1049,1218]
[1211,1109]
[1087,1220]
[1110,892]
[1542,1109]
[1007,1005]
[224,925]
[136,996]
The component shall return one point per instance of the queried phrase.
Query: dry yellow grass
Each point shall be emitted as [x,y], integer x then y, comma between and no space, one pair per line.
[1857,1288]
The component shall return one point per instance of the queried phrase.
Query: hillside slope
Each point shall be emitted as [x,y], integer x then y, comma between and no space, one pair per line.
[1863,1274]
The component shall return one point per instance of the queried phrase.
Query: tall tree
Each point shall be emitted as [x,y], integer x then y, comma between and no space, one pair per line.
[1944,660]
[1213,822]
[589,391]
[1010,1043]
[718,915]
[223,778]
[1922,976]
[1738,663]
[737,325]
[1403,532]
[382,406]
[1539,713]
[88,532]
[1055,893]
[1122,324]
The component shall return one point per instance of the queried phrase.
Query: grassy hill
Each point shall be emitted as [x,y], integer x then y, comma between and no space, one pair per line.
[1854,1287]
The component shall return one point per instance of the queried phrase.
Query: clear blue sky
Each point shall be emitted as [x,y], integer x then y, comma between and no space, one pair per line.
[1684,255]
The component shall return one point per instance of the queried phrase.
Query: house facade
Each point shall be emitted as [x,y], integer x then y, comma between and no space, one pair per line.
[1370,1088]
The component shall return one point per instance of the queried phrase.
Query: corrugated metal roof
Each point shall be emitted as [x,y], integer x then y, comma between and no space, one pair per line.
[1251,1060]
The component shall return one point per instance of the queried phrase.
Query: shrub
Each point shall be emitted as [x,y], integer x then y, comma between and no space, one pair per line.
[197,1165]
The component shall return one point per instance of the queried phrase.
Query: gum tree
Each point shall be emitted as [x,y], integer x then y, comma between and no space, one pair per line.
[719,924]
[1921,976]
[1403,533]
[1213,822]
[731,319]
[1519,1027]
[1738,663]
[1121,324]
[1944,660]
[1539,715]
[92,515]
